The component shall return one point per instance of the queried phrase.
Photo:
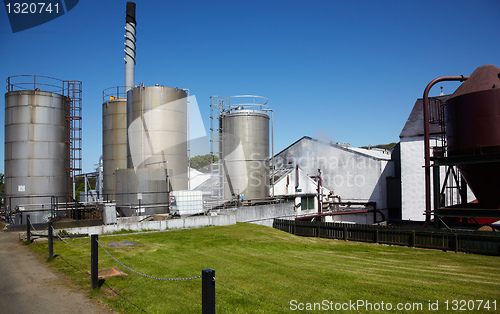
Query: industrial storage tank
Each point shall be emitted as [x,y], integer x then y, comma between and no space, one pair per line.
[141,191]
[36,144]
[157,158]
[245,147]
[114,137]
[473,133]
[157,131]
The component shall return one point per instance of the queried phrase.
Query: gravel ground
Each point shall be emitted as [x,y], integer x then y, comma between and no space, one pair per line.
[27,285]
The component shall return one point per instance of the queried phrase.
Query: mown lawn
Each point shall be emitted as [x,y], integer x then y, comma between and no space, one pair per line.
[263,270]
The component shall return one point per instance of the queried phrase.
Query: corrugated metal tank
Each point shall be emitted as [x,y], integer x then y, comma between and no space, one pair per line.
[473,129]
[157,131]
[245,151]
[36,146]
[114,142]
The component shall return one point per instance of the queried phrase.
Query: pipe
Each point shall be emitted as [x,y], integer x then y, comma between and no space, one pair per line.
[130,46]
[427,155]
[320,184]
[188,140]
[296,177]
[272,146]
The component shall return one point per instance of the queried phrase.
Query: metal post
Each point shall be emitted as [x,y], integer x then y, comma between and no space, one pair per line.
[463,190]
[28,229]
[437,195]
[51,241]
[94,261]
[208,291]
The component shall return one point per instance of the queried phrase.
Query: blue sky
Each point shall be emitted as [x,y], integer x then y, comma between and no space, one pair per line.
[345,71]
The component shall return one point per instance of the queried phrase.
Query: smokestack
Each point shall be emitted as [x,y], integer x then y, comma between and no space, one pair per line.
[130,46]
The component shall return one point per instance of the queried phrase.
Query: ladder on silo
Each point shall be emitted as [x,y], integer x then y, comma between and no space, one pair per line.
[73,90]
[217,107]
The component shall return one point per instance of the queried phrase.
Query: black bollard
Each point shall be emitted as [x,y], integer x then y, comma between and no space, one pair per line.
[208,291]
[28,229]
[51,241]
[94,261]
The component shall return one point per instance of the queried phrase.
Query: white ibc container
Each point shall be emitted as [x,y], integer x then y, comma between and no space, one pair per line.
[186,203]
[109,214]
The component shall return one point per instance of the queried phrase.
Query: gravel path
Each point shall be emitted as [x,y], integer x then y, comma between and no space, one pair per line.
[27,285]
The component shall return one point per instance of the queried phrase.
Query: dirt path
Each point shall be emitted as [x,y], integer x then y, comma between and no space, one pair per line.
[27,285]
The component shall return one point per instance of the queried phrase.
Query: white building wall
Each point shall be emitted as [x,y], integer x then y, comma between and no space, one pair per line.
[352,175]
[286,185]
[413,179]
[307,186]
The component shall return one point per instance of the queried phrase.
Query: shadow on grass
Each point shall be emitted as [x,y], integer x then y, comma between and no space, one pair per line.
[121,296]
[50,259]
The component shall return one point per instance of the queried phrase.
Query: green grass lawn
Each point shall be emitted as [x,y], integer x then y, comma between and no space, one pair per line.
[263,270]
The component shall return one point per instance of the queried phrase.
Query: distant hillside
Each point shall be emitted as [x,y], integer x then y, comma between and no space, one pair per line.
[381,146]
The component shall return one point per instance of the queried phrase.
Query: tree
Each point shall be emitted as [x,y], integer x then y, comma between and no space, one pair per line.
[2,184]
[202,162]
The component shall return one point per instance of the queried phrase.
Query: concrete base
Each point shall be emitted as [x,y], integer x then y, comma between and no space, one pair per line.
[181,223]
[263,214]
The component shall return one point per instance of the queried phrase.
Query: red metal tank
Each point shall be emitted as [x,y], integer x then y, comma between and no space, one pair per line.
[473,130]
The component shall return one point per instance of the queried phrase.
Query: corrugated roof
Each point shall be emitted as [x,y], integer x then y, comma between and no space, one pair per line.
[370,153]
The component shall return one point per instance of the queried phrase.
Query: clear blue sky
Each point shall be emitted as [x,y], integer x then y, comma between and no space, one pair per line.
[347,71]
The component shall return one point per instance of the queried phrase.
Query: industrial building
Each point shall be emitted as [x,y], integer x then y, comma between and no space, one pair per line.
[412,159]
[356,174]
[456,137]
[144,170]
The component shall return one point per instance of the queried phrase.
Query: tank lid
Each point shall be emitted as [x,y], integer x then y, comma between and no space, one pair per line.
[485,77]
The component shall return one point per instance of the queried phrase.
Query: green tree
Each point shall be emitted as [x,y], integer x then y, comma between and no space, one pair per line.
[202,162]
[2,184]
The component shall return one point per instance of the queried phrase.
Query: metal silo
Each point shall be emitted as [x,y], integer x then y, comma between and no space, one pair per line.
[157,157]
[157,131]
[114,138]
[245,147]
[473,133]
[36,145]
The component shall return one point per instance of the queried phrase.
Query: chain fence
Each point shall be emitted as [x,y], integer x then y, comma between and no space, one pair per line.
[33,227]
[57,234]
[144,275]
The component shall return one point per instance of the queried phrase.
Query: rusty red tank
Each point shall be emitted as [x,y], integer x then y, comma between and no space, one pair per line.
[473,129]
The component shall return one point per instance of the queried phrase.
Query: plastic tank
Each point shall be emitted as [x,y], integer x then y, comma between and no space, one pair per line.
[473,129]
[114,137]
[36,146]
[245,148]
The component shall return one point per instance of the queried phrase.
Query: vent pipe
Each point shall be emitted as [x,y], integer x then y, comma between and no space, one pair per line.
[130,46]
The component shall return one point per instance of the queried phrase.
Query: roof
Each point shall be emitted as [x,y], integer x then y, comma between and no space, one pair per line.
[362,151]
[483,78]
[281,173]
[415,124]
[208,185]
